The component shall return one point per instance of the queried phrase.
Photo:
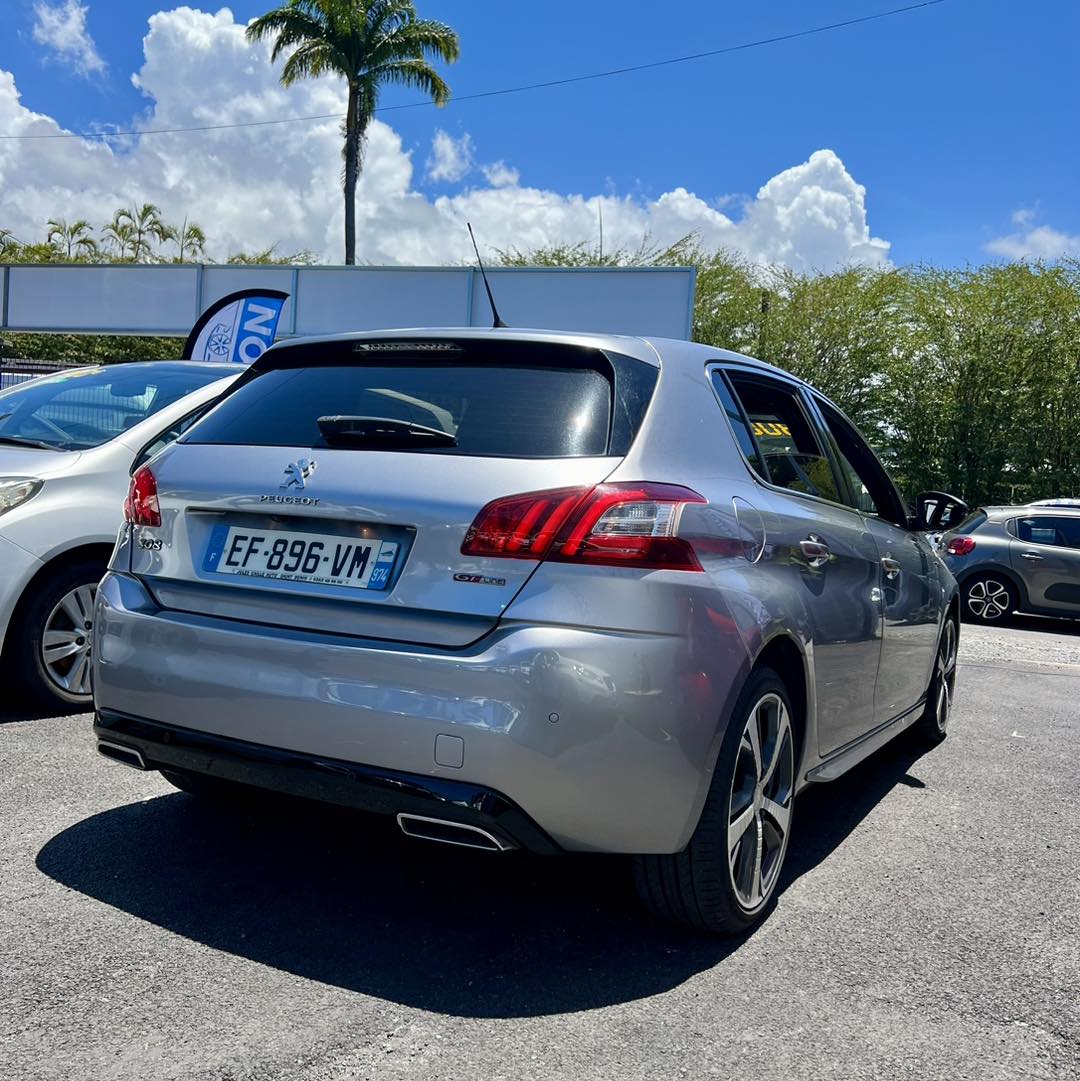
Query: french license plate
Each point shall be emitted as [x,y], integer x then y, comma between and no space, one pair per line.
[289,556]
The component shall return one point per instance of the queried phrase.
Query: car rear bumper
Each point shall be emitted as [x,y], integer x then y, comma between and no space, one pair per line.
[603,739]
[348,784]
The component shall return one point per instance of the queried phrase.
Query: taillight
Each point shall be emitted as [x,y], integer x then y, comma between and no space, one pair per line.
[141,506]
[961,546]
[620,525]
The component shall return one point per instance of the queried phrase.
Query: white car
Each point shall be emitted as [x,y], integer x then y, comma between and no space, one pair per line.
[68,444]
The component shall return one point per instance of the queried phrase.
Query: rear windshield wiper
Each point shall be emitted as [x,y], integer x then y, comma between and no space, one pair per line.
[22,441]
[347,429]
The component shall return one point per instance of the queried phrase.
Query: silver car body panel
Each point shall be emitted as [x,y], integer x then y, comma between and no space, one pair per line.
[596,698]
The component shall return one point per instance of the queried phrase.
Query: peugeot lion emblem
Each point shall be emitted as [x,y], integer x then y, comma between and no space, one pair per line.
[296,473]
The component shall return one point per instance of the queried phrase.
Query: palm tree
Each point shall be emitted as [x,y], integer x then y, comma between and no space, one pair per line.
[366,43]
[9,246]
[146,225]
[73,240]
[190,239]
[118,236]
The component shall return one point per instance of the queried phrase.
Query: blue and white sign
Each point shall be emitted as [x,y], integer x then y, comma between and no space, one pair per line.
[239,328]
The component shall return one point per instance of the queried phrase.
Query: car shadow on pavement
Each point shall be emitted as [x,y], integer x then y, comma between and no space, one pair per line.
[1046,624]
[344,899]
[14,711]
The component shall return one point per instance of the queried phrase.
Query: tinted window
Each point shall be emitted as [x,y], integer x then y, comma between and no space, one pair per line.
[739,426]
[784,437]
[1044,529]
[971,522]
[81,409]
[492,411]
[871,490]
[167,437]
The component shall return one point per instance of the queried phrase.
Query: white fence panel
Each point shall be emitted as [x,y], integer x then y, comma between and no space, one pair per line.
[167,300]
[334,299]
[99,299]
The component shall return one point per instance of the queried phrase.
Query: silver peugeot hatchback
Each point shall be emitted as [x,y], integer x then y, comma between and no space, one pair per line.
[559,592]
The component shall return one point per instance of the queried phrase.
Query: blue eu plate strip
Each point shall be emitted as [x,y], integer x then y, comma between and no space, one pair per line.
[216,546]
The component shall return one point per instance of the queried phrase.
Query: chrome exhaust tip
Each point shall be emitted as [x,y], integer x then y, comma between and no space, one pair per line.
[119,753]
[451,833]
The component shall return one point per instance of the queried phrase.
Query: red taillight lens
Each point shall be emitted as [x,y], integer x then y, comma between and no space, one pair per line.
[141,506]
[622,525]
[961,546]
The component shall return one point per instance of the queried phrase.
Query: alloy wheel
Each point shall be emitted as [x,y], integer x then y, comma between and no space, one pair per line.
[67,639]
[989,599]
[945,681]
[759,807]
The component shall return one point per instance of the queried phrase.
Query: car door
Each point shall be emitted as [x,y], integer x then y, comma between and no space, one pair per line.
[911,592]
[823,553]
[1046,555]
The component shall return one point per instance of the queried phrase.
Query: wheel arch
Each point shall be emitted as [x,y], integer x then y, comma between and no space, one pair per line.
[783,655]
[94,550]
[987,570]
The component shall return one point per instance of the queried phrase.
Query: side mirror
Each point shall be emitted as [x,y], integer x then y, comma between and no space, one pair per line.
[937,511]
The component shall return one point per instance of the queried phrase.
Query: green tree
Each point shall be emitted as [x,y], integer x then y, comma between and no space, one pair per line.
[9,246]
[270,256]
[117,237]
[73,240]
[145,228]
[367,43]
[190,241]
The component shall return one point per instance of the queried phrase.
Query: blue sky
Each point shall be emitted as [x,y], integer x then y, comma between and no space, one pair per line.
[957,119]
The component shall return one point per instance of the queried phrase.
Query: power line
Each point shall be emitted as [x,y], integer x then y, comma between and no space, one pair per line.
[505,90]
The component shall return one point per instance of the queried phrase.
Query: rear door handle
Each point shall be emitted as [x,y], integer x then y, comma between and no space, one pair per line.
[815,551]
[1033,556]
[890,566]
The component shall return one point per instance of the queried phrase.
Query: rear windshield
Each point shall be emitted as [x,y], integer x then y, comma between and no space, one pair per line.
[517,411]
[970,523]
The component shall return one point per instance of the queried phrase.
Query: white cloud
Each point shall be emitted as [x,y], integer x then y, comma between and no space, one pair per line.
[62,27]
[451,159]
[251,187]
[500,175]
[1031,241]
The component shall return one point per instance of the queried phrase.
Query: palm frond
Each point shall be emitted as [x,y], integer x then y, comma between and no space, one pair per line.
[417,74]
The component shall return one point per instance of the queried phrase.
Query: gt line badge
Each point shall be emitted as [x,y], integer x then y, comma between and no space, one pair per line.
[479,580]
[297,473]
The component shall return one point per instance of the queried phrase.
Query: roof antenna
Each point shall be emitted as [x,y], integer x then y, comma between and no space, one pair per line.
[491,300]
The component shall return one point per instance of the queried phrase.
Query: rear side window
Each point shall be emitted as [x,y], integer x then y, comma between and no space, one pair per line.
[739,424]
[490,410]
[784,437]
[1059,532]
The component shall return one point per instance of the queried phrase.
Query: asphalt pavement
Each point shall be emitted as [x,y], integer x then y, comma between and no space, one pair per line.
[928,925]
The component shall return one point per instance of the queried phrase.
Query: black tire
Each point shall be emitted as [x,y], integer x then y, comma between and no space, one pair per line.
[988,599]
[24,649]
[215,789]
[933,726]
[696,887]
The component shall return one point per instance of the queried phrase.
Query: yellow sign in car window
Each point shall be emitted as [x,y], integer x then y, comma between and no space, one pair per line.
[761,427]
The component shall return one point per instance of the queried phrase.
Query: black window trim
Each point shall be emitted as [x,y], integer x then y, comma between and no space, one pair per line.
[815,396]
[798,389]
